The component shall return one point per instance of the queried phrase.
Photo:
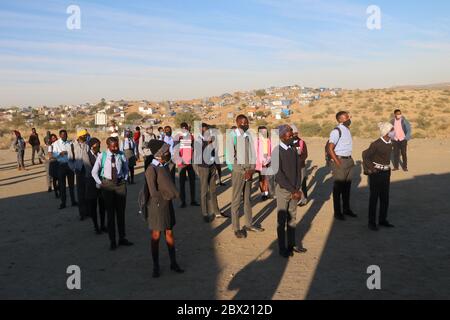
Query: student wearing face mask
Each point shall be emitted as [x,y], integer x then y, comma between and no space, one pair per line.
[288,192]
[243,160]
[376,162]
[402,134]
[161,213]
[339,148]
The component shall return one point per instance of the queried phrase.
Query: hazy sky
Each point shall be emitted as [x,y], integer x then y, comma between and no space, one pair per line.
[187,48]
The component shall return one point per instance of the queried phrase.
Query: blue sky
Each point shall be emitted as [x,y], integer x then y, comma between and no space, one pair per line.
[184,49]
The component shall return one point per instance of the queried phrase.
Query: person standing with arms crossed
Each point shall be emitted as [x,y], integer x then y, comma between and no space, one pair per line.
[242,171]
[340,147]
[110,172]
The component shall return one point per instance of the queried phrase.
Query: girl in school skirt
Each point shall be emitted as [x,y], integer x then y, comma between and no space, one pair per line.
[161,213]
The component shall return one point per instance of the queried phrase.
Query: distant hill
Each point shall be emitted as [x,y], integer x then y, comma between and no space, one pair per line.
[440,86]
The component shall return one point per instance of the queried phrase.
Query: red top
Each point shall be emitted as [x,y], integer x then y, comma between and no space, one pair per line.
[136,136]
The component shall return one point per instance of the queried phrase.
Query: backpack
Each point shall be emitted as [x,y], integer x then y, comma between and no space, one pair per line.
[144,198]
[327,154]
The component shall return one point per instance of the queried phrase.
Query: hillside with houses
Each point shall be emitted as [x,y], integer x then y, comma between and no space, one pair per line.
[312,109]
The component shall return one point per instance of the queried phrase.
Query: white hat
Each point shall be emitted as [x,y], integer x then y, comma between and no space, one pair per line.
[385,128]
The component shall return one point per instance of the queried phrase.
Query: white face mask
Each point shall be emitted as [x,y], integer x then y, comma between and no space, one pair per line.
[392,135]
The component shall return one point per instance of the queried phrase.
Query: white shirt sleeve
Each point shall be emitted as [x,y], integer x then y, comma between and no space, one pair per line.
[96,169]
[334,137]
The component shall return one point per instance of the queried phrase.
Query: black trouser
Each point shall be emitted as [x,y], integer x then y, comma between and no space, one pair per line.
[64,173]
[341,189]
[379,189]
[400,147]
[131,175]
[182,175]
[81,193]
[115,198]
[92,209]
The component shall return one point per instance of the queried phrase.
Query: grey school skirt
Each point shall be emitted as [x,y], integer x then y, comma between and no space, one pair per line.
[161,214]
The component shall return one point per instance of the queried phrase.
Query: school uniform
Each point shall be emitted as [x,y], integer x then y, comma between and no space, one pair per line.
[144,149]
[185,166]
[289,180]
[377,160]
[77,158]
[342,175]
[171,165]
[93,195]
[162,190]
[110,171]
[53,170]
[64,171]
[207,173]
[244,160]
[128,148]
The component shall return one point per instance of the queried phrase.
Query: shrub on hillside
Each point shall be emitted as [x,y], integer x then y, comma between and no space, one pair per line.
[310,129]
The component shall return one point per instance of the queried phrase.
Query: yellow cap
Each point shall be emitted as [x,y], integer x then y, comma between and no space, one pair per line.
[81,133]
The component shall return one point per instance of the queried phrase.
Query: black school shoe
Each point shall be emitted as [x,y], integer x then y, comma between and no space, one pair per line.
[386,224]
[176,268]
[350,214]
[373,227]
[299,249]
[240,234]
[125,242]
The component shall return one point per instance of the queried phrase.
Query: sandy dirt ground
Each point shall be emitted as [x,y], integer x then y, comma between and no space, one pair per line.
[38,242]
